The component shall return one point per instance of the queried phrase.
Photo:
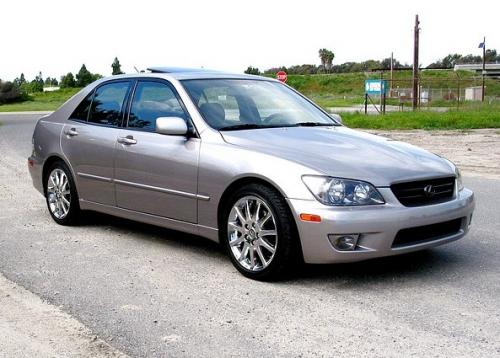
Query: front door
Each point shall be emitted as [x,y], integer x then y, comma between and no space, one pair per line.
[154,173]
[89,141]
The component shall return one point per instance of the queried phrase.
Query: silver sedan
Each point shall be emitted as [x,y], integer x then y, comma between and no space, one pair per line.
[246,161]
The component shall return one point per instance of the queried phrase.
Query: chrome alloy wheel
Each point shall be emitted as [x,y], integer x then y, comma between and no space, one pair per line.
[252,233]
[58,193]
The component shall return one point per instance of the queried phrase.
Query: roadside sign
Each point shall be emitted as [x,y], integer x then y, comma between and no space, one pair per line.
[282,76]
[376,86]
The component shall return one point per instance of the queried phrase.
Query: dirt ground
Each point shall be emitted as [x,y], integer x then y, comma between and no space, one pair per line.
[30,327]
[476,151]
[151,292]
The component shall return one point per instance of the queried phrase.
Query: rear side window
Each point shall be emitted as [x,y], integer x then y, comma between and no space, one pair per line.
[82,111]
[151,101]
[108,102]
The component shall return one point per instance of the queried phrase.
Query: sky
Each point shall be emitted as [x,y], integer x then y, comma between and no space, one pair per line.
[56,37]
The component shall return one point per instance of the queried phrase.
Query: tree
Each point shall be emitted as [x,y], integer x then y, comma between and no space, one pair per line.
[326,57]
[304,69]
[10,92]
[273,70]
[252,70]
[96,76]
[20,81]
[117,68]
[492,56]
[386,63]
[83,77]
[36,85]
[68,80]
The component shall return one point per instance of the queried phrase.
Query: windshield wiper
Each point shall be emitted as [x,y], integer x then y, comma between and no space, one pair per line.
[242,126]
[313,124]
[257,126]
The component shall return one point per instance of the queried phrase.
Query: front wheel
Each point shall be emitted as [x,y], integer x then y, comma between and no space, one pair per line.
[60,194]
[259,233]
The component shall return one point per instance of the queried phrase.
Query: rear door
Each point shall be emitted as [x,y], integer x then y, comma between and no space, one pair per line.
[155,173]
[89,140]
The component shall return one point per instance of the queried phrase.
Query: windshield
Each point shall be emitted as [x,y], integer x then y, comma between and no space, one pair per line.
[232,104]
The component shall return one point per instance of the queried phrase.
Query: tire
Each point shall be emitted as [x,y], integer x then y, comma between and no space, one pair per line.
[242,241]
[60,190]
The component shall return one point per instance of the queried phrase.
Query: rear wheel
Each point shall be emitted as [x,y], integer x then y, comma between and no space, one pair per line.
[259,234]
[60,194]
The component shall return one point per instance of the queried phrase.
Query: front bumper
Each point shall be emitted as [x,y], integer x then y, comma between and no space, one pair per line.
[377,226]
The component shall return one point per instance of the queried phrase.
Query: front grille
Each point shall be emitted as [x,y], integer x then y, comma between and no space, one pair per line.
[421,234]
[424,192]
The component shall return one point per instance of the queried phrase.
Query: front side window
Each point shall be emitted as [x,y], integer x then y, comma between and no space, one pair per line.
[151,101]
[107,104]
[231,104]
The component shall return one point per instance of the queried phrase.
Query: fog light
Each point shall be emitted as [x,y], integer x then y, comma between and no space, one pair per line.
[344,242]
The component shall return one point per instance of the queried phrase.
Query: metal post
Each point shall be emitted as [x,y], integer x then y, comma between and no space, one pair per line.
[415,63]
[366,103]
[392,69]
[484,67]
[381,89]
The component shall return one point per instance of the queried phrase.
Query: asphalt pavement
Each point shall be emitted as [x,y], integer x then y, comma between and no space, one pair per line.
[148,291]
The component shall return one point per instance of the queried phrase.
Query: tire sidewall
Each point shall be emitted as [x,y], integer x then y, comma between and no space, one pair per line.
[74,207]
[285,237]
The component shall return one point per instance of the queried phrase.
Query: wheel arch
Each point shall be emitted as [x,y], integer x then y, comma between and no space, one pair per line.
[238,183]
[48,163]
[246,180]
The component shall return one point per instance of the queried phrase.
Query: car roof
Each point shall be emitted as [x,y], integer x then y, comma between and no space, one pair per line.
[183,73]
[177,69]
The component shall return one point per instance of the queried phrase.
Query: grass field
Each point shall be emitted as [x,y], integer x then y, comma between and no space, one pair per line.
[468,117]
[347,89]
[44,101]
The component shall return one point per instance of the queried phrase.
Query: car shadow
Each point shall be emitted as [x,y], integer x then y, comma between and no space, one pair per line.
[429,264]
[152,233]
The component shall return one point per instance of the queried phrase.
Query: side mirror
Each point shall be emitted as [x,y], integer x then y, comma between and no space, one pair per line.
[336,117]
[171,126]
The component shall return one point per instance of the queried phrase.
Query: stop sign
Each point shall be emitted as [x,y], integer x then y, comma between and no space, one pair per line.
[282,76]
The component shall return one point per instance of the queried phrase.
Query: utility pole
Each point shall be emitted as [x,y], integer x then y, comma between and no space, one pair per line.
[484,67]
[392,69]
[415,63]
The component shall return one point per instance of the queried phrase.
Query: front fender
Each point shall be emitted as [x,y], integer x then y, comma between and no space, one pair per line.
[223,164]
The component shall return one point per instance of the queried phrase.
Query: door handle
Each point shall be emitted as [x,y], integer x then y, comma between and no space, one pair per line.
[128,140]
[71,132]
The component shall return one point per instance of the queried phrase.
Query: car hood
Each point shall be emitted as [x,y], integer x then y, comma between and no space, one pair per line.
[343,152]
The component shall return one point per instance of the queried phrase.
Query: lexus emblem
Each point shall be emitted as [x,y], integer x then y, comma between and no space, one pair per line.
[429,191]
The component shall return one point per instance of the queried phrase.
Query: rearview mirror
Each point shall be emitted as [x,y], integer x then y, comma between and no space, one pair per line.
[171,126]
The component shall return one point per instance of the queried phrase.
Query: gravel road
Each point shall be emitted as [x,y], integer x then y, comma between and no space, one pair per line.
[148,291]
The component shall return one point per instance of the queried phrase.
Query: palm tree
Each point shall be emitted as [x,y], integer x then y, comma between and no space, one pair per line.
[326,57]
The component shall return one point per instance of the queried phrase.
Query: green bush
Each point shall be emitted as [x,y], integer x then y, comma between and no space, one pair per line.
[10,93]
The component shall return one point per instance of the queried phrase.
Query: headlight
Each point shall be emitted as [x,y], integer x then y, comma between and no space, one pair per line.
[460,184]
[342,192]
